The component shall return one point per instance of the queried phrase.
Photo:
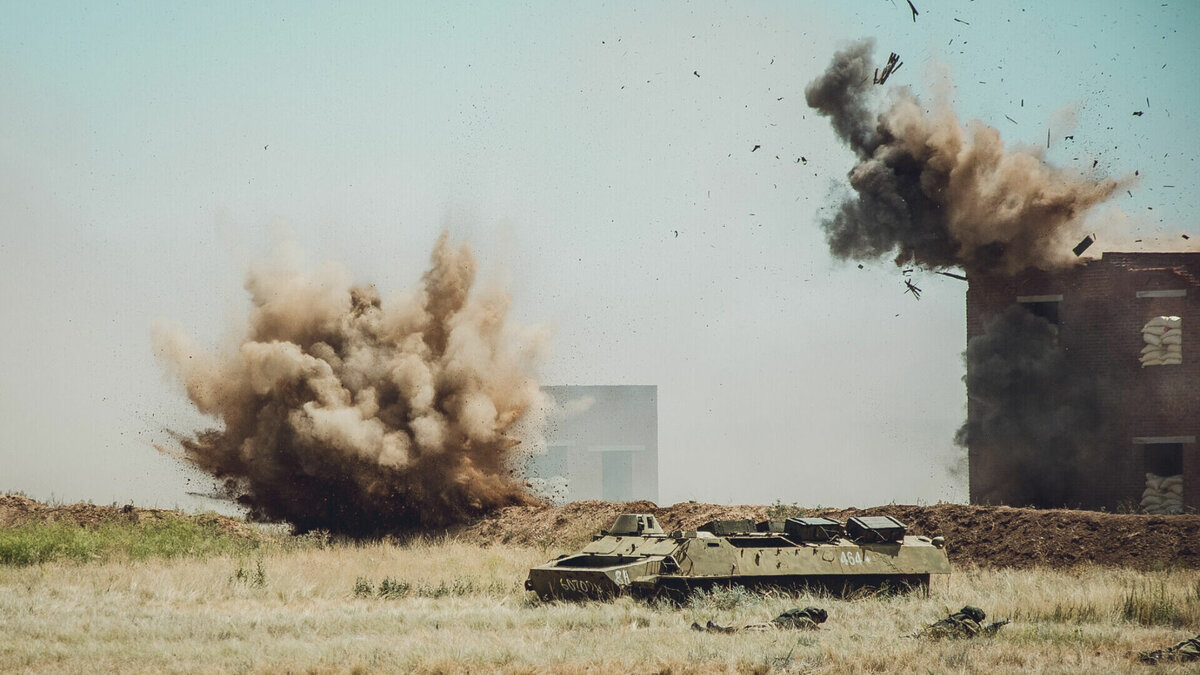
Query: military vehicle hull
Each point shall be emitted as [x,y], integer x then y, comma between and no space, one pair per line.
[655,564]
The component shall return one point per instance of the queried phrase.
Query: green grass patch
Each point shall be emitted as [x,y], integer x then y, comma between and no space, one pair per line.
[1153,605]
[722,598]
[169,537]
[392,589]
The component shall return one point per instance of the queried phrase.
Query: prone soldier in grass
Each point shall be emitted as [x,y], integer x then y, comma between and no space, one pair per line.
[809,618]
[965,623]
[1187,650]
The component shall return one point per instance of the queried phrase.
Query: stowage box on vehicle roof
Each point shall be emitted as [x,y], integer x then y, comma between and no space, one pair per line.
[724,528]
[867,529]
[813,529]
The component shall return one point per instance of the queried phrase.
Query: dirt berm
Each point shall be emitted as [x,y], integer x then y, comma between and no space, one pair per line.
[988,536]
[18,509]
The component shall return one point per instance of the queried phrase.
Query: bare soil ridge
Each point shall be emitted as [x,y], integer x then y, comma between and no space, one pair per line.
[18,509]
[987,536]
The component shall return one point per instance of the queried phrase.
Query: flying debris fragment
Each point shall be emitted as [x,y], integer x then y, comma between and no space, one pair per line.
[756,147]
[1083,245]
[893,64]
[952,275]
[910,287]
[1138,113]
[914,10]
[215,496]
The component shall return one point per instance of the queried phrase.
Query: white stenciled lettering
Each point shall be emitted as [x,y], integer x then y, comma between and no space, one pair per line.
[853,558]
[621,577]
[579,586]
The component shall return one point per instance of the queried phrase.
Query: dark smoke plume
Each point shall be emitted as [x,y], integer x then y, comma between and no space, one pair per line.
[345,412]
[937,194]
[1036,412]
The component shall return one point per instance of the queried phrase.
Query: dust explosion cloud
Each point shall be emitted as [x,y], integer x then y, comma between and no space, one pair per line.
[938,194]
[346,412]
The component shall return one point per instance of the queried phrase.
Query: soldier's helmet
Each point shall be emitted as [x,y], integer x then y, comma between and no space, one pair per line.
[973,613]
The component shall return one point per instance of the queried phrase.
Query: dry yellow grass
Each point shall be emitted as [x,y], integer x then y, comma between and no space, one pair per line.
[464,609]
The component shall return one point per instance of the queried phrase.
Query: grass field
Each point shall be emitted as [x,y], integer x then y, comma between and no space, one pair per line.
[452,606]
[120,539]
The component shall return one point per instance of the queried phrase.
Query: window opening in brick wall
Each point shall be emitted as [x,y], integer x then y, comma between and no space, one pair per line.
[1047,309]
[1163,338]
[1163,464]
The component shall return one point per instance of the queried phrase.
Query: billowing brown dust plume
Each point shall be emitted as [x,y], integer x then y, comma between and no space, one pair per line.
[353,414]
[935,193]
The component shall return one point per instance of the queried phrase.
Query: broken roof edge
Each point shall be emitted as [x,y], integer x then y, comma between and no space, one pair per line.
[1155,253]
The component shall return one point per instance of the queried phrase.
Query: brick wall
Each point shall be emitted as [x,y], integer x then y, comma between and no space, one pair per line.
[1100,323]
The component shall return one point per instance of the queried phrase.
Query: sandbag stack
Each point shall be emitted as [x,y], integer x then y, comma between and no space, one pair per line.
[1163,336]
[1164,494]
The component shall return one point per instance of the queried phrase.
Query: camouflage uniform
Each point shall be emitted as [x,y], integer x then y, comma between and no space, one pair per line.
[808,618]
[1188,650]
[965,623]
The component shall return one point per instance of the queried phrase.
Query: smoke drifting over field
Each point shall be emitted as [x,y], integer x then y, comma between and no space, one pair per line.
[1037,406]
[938,194]
[346,412]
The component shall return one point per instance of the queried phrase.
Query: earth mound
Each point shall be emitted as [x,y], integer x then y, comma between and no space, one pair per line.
[17,509]
[986,536]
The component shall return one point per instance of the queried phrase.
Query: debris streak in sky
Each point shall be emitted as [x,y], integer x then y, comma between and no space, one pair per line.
[346,412]
[934,192]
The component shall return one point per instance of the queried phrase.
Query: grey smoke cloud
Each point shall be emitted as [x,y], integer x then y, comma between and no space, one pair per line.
[344,411]
[934,192]
[1038,412]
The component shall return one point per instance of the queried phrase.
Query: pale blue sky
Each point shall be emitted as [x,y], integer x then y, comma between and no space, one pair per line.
[568,142]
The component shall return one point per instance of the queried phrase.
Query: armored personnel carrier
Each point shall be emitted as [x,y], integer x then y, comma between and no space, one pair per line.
[636,557]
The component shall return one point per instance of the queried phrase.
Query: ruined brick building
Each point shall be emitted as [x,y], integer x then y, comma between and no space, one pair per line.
[1126,346]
